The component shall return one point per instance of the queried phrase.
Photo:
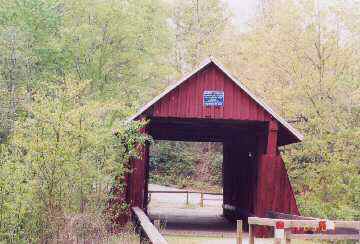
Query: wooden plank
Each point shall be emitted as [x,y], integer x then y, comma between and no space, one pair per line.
[287,223]
[323,237]
[338,223]
[262,221]
[184,192]
[149,229]
[353,227]
[277,215]
[302,223]
[251,234]
[347,224]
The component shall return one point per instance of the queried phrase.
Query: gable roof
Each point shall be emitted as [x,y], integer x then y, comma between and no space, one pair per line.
[205,63]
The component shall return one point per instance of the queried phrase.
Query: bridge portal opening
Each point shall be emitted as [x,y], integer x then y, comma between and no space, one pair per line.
[185,187]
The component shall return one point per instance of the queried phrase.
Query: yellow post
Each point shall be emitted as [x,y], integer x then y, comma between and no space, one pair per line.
[239,231]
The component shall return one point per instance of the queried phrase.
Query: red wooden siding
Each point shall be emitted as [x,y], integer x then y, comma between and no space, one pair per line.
[274,191]
[186,101]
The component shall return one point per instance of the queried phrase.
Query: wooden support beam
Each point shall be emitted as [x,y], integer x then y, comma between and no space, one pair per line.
[272,138]
[239,231]
[137,178]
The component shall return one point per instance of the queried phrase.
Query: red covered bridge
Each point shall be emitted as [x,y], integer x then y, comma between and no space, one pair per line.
[210,105]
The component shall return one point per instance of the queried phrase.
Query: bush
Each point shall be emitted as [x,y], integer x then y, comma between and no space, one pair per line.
[60,164]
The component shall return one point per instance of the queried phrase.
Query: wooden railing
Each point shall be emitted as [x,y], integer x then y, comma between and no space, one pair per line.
[286,227]
[202,194]
[278,215]
[145,228]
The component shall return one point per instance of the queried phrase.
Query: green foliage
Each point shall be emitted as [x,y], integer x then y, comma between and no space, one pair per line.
[115,45]
[70,72]
[62,159]
[186,164]
[172,157]
[325,174]
[198,28]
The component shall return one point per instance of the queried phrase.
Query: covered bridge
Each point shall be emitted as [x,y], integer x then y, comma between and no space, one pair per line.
[210,105]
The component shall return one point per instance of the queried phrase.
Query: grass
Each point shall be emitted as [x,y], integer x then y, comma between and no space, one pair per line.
[196,240]
[174,239]
[125,239]
[127,236]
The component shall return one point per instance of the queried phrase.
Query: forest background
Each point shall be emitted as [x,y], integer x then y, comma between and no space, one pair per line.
[71,72]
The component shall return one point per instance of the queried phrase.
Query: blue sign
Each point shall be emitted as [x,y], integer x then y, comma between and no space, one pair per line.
[213,98]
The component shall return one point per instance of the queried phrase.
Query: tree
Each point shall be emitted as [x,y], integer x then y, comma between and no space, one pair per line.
[27,29]
[198,26]
[65,159]
[302,57]
[119,46]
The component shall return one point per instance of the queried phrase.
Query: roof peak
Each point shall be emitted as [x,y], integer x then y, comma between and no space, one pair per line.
[206,62]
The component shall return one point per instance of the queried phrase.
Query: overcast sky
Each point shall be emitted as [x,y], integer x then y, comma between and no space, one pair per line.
[243,10]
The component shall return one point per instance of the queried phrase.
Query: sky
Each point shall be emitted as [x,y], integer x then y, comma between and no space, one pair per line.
[242,9]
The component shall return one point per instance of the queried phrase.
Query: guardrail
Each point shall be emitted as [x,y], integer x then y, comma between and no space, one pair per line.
[284,228]
[145,228]
[202,199]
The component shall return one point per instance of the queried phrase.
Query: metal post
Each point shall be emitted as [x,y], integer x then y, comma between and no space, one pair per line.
[201,199]
[239,231]
[187,198]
